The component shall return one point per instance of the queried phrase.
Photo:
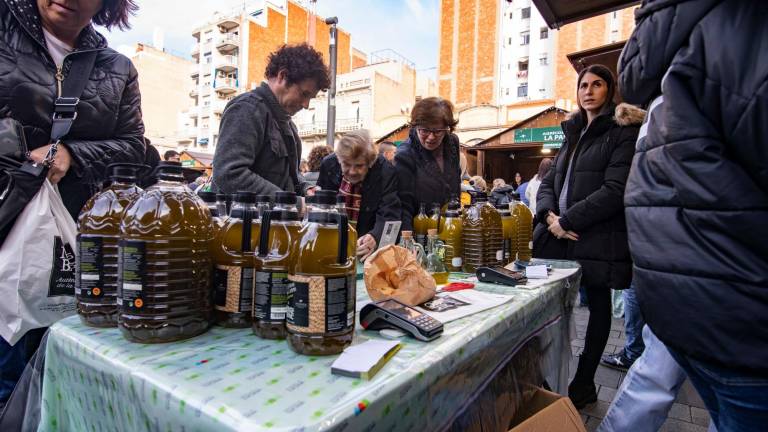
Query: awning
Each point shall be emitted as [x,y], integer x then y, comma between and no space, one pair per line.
[558,13]
[607,55]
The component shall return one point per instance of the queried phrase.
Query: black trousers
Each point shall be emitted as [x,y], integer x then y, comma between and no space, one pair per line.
[598,330]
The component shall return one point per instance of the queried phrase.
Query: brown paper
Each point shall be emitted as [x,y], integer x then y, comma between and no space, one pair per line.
[393,272]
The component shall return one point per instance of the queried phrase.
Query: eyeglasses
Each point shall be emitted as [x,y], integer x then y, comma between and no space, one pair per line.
[427,132]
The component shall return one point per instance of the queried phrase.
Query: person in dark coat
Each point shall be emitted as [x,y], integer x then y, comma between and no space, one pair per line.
[40,40]
[37,42]
[697,196]
[580,210]
[427,163]
[368,184]
[259,147]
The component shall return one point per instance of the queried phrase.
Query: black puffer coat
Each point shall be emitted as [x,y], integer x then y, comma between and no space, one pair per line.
[379,202]
[697,194]
[595,210]
[419,178]
[108,127]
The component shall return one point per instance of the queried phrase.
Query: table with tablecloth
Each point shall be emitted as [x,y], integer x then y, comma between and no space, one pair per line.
[229,379]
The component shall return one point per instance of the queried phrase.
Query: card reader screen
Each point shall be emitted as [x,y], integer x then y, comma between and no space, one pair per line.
[396,308]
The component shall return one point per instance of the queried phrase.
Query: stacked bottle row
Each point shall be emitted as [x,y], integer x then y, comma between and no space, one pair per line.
[479,235]
[162,264]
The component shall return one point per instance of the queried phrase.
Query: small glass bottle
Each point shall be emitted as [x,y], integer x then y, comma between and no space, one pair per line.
[434,218]
[435,264]
[408,242]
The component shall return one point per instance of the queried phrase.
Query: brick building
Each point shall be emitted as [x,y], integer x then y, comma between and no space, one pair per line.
[231,53]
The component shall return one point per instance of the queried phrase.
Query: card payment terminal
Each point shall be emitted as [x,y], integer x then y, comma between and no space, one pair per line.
[393,314]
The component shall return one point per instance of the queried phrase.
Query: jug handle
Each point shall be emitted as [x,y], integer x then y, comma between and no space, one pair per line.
[266,222]
[343,238]
[245,240]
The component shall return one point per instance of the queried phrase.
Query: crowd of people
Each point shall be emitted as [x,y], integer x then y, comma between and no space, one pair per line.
[644,202]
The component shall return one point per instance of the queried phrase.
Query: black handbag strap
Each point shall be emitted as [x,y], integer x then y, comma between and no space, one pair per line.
[65,106]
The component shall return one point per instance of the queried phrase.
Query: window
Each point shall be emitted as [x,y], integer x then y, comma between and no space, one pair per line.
[526,13]
[507,91]
[525,38]
[543,60]
[522,90]
[509,66]
[544,33]
[208,59]
[510,15]
[522,66]
[509,41]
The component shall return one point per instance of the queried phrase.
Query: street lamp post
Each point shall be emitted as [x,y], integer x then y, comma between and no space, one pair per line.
[331,129]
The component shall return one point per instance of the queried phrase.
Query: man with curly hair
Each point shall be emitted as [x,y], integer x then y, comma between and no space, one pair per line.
[259,149]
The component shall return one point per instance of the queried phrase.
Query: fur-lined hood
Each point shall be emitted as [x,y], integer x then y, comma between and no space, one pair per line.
[624,115]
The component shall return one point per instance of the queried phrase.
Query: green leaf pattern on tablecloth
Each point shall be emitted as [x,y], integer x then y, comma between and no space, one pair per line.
[229,379]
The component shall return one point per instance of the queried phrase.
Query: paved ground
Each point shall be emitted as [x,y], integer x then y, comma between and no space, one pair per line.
[687,414]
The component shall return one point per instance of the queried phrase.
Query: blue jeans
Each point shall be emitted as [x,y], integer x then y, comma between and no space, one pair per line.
[737,401]
[12,362]
[633,325]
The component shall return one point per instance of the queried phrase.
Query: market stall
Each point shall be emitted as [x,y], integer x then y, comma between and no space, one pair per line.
[228,379]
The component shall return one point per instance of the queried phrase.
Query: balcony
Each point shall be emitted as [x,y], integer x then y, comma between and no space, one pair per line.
[228,23]
[522,74]
[192,111]
[321,128]
[220,104]
[194,70]
[353,85]
[193,93]
[227,63]
[225,86]
[196,51]
[228,42]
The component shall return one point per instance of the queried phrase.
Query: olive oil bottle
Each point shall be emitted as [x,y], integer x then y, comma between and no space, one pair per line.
[482,234]
[97,238]
[450,235]
[524,219]
[421,225]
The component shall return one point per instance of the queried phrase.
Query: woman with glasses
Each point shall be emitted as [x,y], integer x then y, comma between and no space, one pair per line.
[427,163]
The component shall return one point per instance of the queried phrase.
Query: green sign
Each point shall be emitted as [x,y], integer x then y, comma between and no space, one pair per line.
[544,135]
[188,163]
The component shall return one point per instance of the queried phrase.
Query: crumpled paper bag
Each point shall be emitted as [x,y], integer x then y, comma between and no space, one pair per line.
[393,272]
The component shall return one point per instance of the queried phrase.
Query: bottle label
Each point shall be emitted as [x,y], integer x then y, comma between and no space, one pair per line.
[89,283]
[271,302]
[233,291]
[499,255]
[318,305]
[456,262]
[132,259]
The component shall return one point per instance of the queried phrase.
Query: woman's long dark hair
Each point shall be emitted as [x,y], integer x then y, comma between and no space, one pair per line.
[544,167]
[607,76]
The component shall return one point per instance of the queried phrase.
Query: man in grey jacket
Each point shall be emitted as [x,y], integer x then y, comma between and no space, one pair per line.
[259,149]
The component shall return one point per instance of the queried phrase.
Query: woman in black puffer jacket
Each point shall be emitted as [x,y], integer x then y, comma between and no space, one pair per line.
[108,127]
[581,213]
[38,39]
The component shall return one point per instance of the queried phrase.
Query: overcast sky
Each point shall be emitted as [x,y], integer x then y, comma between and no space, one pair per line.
[410,27]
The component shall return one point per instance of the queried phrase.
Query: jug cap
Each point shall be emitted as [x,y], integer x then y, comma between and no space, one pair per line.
[221,197]
[326,197]
[285,198]
[208,197]
[169,170]
[406,233]
[245,197]
[126,172]
[263,198]
[432,232]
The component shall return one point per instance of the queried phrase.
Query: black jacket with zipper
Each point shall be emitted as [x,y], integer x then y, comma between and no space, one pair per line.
[594,205]
[697,194]
[379,201]
[108,127]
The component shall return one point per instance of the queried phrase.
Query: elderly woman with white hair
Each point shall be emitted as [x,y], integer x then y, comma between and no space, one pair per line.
[368,184]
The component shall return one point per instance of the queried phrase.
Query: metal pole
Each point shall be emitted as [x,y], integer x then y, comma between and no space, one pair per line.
[331,129]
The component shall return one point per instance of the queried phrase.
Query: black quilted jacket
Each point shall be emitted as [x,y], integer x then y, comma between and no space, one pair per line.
[697,193]
[108,127]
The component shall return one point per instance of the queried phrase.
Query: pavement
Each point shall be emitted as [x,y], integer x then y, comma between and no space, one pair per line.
[688,413]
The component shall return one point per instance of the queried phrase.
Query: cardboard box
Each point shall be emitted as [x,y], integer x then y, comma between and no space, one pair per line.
[547,412]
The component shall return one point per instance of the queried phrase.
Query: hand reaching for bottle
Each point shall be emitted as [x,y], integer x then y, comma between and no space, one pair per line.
[366,245]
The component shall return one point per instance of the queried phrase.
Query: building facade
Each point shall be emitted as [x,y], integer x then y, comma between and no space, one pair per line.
[377,97]
[165,86]
[231,53]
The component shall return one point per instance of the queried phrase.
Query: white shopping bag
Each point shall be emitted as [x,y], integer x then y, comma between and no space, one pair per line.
[37,266]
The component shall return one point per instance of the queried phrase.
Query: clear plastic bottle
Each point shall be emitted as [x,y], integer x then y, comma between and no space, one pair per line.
[321,302]
[421,225]
[164,277]
[450,235]
[341,208]
[482,234]
[234,263]
[97,239]
[524,219]
[435,258]
[279,230]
